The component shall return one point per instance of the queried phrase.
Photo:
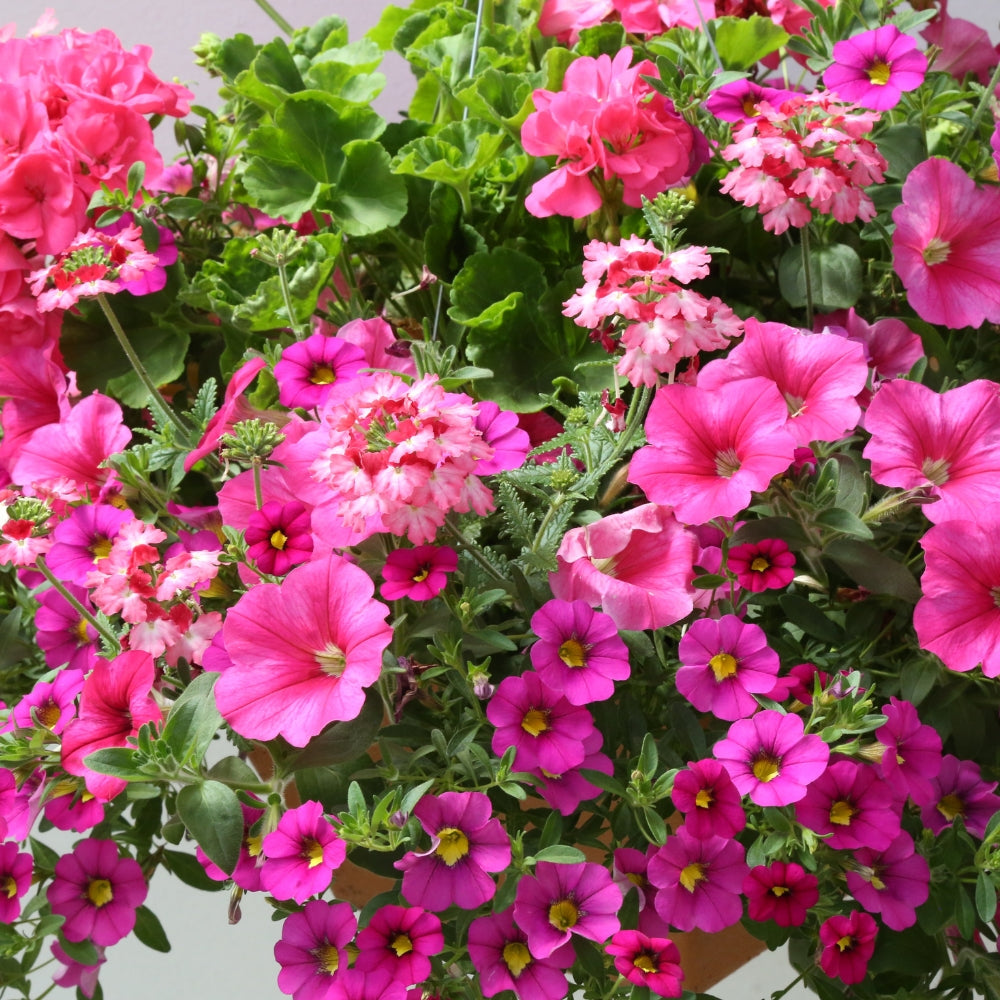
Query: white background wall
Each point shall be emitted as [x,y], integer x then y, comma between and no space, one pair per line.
[210,959]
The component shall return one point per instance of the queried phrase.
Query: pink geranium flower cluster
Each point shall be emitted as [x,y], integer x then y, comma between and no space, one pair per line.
[565,19]
[810,152]
[607,124]
[633,295]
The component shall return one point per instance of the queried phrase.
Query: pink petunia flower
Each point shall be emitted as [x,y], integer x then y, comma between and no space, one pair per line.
[84,537]
[311,369]
[579,652]
[946,245]
[636,565]
[278,536]
[502,432]
[764,565]
[313,948]
[498,949]
[645,961]
[420,573]
[698,881]
[892,882]
[302,653]
[708,799]
[782,891]
[848,943]
[400,939]
[710,449]
[301,854]
[771,758]
[561,901]
[467,845]
[875,68]
[97,892]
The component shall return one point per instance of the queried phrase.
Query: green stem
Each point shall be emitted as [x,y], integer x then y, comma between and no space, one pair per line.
[109,637]
[159,405]
[286,295]
[984,103]
[258,493]
[807,272]
[275,16]
[473,551]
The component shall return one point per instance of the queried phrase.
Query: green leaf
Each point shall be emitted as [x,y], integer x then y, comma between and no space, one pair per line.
[118,762]
[451,156]
[276,185]
[211,812]
[149,930]
[189,870]
[193,720]
[341,741]
[83,952]
[808,617]
[835,274]
[272,76]
[903,146]
[785,528]
[845,522]
[986,897]
[742,42]
[873,569]
[560,854]
[368,197]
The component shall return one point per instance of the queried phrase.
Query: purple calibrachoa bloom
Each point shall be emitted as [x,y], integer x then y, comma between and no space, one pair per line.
[97,892]
[565,792]
[848,943]
[560,901]
[698,881]
[958,790]
[707,797]
[893,882]
[724,662]
[401,940]
[764,565]
[912,751]
[419,573]
[301,855]
[579,651]
[313,948]
[629,871]
[782,892]
[653,962]
[15,881]
[279,536]
[467,844]
[771,758]
[498,949]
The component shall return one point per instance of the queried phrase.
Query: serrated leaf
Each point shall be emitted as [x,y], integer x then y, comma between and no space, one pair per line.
[212,814]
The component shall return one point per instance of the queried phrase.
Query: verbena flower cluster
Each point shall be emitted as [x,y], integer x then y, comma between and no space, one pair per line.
[573,509]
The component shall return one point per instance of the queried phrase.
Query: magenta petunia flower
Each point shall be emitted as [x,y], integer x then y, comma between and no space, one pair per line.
[73,809]
[848,943]
[771,758]
[707,797]
[763,565]
[467,845]
[547,731]
[311,369]
[377,984]
[560,901]
[912,751]
[97,892]
[278,536]
[49,704]
[958,791]
[946,245]
[875,68]
[943,443]
[84,537]
[782,892]
[302,652]
[62,634]
[958,618]
[401,940]
[637,565]
[629,870]
[567,791]
[653,962]
[498,949]
[501,431]
[724,661]
[420,573]
[818,375]
[313,948]
[579,651]
[15,880]
[698,881]
[710,449]
[301,854]
[850,806]
[892,882]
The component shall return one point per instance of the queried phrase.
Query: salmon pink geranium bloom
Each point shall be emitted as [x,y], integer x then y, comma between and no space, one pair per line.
[302,652]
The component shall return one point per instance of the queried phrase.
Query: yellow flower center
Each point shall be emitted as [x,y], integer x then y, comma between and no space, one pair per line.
[766,768]
[535,721]
[936,470]
[779,890]
[573,653]
[879,73]
[723,665]
[644,962]
[703,799]
[421,574]
[936,251]
[691,875]
[99,892]
[278,540]
[401,945]
[516,957]
[637,878]
[331,660]
[322,375]
[9,886]
[845,942]
[760,565]
[313,851]
[727,463]
[48,714]
[950,807]
[564,914]
[453,845]
[100,548]
[253,845]
[80,631]
[328,958]
[841,813]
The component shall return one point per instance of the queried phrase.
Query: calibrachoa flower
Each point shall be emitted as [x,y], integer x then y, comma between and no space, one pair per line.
[645,961]
[763,565]
[246,874]
[959,791]
[912,750]
[278,536]
[724,661]
[567,791]
[630,871]
[313,948]
[401,940]
[467,845]
[707,797]
[420,573]
[311,369]
[74,973]
[578,652]
[892,882]
[875,68]
[560,901]
[848,943]
[771,758]
[782,891]
[15,880]
[302,653]
[97,892]
[301,854]
[698,881]
[498,949]
[377,984]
